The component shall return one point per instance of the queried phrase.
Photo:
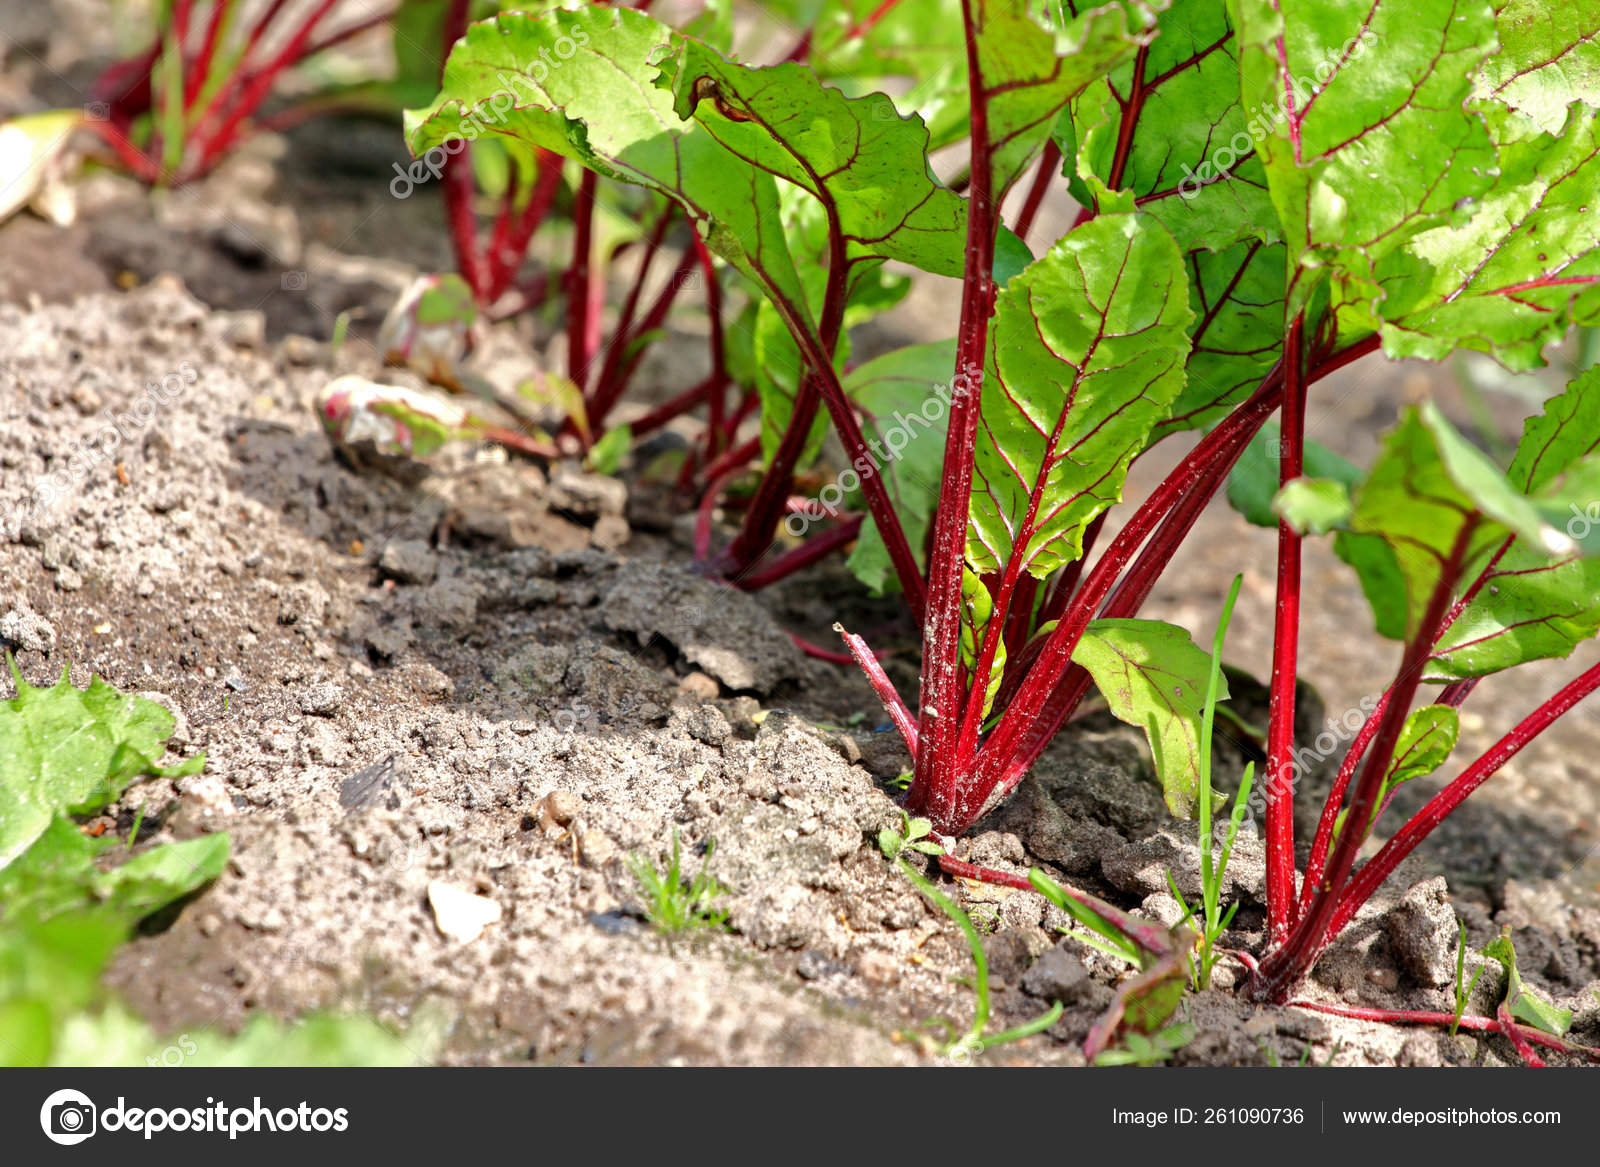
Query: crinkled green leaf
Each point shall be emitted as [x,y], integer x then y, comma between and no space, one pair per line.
[1549,57]
[1086,352]
[1532,607]
[977,610]
[112,1036]
[583,84]
[58,874]
[1313,506]
[1375,142]
[1382,582]
[1169,126]
[1154,676]
[1568,429]
[1519,272]
[1428,483]
[1425,742]
[75,750]
[864,161]
[903,396]
[857,39]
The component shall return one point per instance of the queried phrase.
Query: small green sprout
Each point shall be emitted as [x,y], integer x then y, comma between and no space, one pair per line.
[674,904]
[1209,919]
[1463,988]
[913,836]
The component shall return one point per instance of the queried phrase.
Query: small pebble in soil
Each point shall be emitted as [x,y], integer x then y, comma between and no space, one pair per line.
[23,628]
[1384,978]
[615,923]
[595,849]
[459,914]
[814,965]
[409,561]
[322,700]
[559,808]
[1057,975]
[700,686]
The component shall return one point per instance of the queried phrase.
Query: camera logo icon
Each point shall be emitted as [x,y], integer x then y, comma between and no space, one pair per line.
[68,1117]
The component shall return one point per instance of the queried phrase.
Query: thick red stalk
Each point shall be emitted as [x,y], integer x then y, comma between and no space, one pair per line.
[940,766]
[349,31]
[1019,620]
[676,407]
[1513,1034]
[1003,591]
[456,177]
[1291,960]
[719,356]
[766,509]
[1066,580]
[195,80]
[227,93]
[1439,807]
[1285,653]
[458,192]
[628,347]
[1128,598]
[1153,938]
[708,504]
[737,456]
[138,164]
[1451,695]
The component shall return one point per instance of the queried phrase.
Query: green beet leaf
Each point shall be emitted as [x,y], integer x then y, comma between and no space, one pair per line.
[72,750]
[1169,125]
[1030,74]
[903,396]
[1525,1006]
[1313,506]
[1534,605]
[1237,335]
[1086,353]
[1154,676]
[1369,140]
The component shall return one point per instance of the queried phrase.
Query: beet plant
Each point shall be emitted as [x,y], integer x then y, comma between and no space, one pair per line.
[172,112]
[1268,192]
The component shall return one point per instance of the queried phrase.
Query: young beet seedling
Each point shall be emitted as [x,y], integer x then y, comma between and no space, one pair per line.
[172,113]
